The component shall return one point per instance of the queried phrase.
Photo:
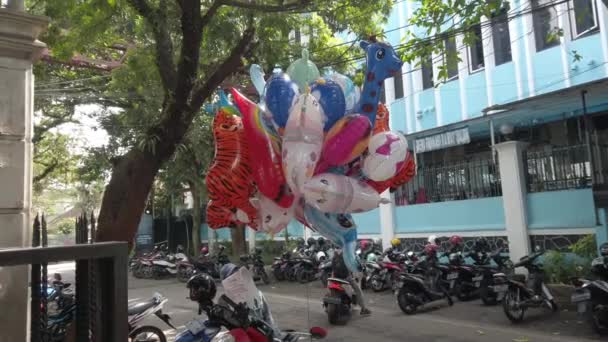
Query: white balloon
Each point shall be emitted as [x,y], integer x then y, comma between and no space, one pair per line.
[302,142]
[385,157]
[272,217]
[333,193]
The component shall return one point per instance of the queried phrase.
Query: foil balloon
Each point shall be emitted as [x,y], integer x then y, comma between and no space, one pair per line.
[385,156]
[330,96]
[257,78]
[333,193]
[382,119]
[344,142]
[302,142]
[280,94]
[303,71]
[228,178]
[349,89]
[338,228]
[272,217]
[264,147]
[405,174]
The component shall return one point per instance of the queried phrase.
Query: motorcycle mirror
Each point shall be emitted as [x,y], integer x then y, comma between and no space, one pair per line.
[318,332]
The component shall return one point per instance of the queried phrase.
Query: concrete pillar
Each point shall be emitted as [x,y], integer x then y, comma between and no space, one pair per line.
[251,239]
[387,220]
[514,195]
[19,48]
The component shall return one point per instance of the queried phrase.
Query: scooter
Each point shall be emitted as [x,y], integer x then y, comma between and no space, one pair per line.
[339,300]
[591,296]
[324,272]
[525,293]
[415,292]
[139,311]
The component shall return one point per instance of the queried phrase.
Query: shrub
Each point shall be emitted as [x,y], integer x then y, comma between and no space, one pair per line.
[561,267]
[585,247]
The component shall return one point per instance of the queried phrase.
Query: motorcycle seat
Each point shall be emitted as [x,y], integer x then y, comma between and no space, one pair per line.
[519,278]
[139,307]
[337,280]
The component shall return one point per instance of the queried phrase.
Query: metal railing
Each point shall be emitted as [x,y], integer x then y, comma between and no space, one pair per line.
[476,178]
[100,278]
[600,161]
[559,168]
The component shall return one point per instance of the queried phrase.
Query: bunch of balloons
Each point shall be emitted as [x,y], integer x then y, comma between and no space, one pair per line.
[315,149]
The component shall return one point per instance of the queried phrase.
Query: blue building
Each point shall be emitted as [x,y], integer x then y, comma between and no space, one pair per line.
[514,144]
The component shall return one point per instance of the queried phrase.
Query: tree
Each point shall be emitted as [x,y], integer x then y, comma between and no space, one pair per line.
[195,46]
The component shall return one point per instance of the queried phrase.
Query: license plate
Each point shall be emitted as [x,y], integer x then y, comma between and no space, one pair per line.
[501,288]
[581,296]
[478,278]
[332,300]
[452,276]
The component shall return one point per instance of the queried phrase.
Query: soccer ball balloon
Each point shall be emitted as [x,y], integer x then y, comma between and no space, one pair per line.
[386,156]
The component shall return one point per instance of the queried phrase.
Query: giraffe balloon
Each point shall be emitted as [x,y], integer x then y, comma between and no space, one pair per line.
[382,62]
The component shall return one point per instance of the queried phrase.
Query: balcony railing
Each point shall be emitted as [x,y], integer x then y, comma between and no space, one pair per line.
[559,168]
[477,178]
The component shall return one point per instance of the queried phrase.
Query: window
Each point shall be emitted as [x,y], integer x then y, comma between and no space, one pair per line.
[476,49]
[501,37]
[451,57]
[583,18]
[398,79]
[545,22]
[427,73]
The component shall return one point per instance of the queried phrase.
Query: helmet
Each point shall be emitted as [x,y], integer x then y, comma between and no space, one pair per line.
[202,287]
[432,239]
[430,250]
[228,270]
[481,244]
[364,245]
[321,241]
[456,240]
[300,241]
[205,250]
[377,242]
[221,248]
[604,249]
[311,241]
[258,250]
[395,243]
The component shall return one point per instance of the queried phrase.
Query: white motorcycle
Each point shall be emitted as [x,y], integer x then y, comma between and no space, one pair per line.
[166,267]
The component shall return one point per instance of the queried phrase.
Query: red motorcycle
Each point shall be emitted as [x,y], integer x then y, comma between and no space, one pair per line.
[386,276]
[339,300]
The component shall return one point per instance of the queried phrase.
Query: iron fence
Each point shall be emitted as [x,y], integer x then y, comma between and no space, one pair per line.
[469,179]
[99,312]
[558,168]
[600,159]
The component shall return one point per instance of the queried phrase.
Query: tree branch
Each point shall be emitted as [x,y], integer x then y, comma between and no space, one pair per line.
[192,35]
[229,65]
[291,6]
[206,18]
[164,45]
[47,171]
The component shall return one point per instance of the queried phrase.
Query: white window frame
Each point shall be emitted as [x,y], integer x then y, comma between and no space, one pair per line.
[470,55]
[549,6]
[572,17]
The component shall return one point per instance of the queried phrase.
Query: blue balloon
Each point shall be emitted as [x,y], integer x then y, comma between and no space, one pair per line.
[338,228]
[331,98]
[281,94]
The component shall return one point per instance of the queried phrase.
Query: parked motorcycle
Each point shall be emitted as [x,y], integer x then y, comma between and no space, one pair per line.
[386,276]
[591,296]
[141,310]
[279,266]
[417,291]
[467,284]
[204,263]
[493,276]
[255,263]
[527,293]
[339,300]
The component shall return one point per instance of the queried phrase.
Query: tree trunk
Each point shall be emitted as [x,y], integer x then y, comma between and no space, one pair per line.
[238,241]
[196,217]
[125,196]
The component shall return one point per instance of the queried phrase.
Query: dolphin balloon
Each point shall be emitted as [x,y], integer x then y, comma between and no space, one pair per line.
[339,228]
[257,78]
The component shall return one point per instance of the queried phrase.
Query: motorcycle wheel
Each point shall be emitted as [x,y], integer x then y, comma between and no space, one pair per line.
[599,320]
[376,283]
[333,314]
[292,275]
[278,274]
[305,276]
[138,272]
[405,304]
[459,293]
[488,296]
[264,276]
[147,333]
[183,274]
[147,272]
[514,314]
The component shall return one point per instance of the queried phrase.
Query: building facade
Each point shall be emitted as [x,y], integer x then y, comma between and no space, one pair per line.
[514,144]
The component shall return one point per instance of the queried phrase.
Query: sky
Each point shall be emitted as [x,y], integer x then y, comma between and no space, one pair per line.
[86,132]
